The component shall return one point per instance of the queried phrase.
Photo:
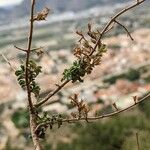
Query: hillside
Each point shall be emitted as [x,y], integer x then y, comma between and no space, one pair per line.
[124,73]
[56,5]
[65,5]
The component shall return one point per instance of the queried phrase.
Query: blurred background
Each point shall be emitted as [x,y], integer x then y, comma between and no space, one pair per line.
[124,73]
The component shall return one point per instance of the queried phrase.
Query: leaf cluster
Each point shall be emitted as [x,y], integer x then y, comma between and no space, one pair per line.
[83,109]
[75,72]
[33,72]
[89,52]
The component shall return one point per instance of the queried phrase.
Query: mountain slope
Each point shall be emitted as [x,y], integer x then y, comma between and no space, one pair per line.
[63,5]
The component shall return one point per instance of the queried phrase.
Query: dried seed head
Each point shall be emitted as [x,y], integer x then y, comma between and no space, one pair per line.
[42,15]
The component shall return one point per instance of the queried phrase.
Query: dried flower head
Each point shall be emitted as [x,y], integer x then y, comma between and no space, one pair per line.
[83,108]
[88,55]
[42,15]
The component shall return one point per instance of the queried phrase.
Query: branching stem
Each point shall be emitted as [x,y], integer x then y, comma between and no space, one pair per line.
[28,57]
[52,94]
[104,31]
[112,20]
[73,120]
[31,108]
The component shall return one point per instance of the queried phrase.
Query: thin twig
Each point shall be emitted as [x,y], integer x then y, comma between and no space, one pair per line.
[112,20]
[33,49]
[104,31]
[5,58]
[128,33]
[21,49]
[118,15]
[137,140]
[109,28]
[52,94]
[73,120]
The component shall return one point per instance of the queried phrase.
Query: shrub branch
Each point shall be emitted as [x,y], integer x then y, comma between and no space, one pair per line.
[89,52]
[117,112]
[31,108]
[97,43]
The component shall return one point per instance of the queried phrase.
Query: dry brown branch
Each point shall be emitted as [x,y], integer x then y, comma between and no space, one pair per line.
[52,94]
[128,33]
[110,28]
[112,20]
[73,120]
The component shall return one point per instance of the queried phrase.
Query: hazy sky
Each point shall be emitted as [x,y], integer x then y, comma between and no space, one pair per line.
[9,2]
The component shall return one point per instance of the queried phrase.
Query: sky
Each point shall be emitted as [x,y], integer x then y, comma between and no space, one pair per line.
[9,2]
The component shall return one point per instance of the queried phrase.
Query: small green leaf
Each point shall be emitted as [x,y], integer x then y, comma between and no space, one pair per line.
[22,67]
[18,72]
[21,77]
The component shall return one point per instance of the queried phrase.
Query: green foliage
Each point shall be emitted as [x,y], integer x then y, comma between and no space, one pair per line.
[20,118]
[33,72]
[2,108]
[85,63]
[47,147]
[75,72]
[9,147]
[100,101]
[114,46]
[131,143]
[113,79]
[133,74]
[145,107]
[21,76]
[147,79]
